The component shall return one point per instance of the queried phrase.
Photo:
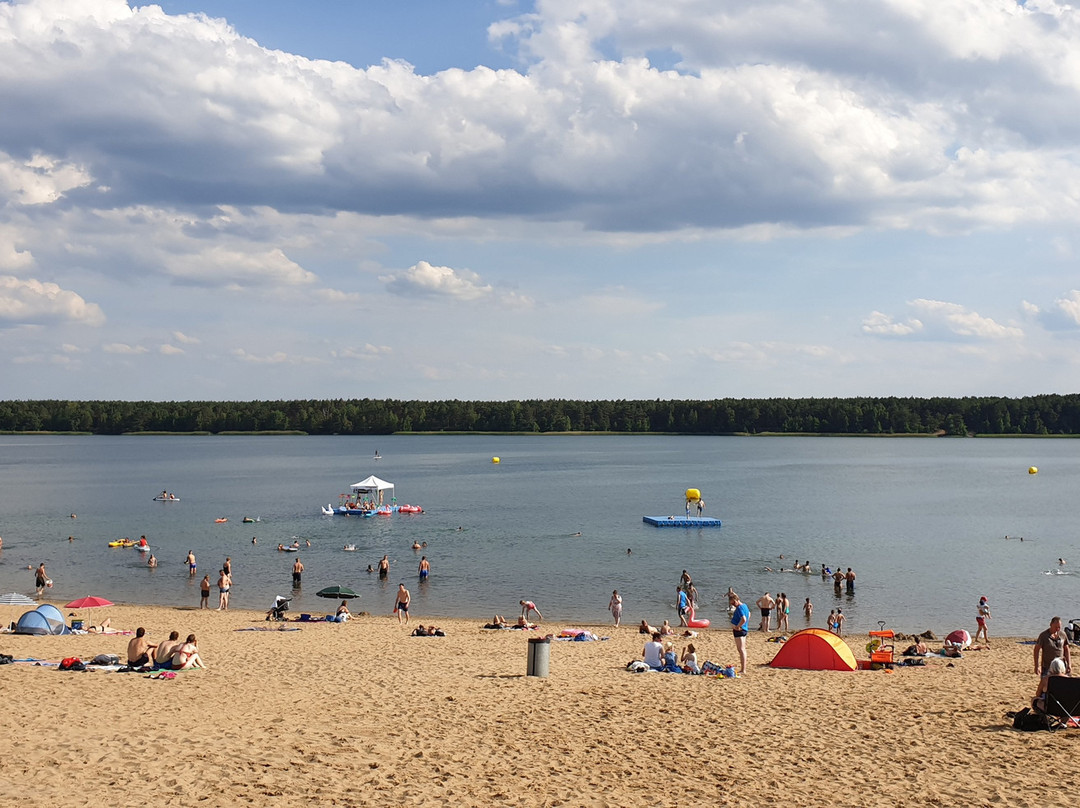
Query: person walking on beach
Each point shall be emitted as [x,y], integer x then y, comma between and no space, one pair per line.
[41,578]
[528,607]
[615,605]
[191,563]
[850,578]
[981,616]
[1052,644]
[224,584]
[204,592]
[297,570]
[740,627]
[424,569]
[765,603]
[403,601]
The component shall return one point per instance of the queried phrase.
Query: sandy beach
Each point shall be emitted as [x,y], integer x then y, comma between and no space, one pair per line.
[364,714]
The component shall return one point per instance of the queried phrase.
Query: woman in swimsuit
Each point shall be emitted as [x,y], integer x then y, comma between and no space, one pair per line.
[186,656]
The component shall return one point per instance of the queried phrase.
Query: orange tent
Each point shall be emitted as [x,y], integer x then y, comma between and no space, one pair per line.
[815,649]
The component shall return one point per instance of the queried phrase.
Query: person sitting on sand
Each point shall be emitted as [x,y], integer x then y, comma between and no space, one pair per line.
[186,656]
[645,628]
[139,649]
[164,652]
[343,614]
[666,629]
[689,660]
[653,652]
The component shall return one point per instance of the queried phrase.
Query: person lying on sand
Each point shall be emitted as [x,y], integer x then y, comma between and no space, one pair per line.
[101,628]
[645,628]
[523,623]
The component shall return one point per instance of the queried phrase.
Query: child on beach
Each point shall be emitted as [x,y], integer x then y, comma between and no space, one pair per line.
[982,615]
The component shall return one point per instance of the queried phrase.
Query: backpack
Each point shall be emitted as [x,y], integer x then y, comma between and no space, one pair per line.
[71,664]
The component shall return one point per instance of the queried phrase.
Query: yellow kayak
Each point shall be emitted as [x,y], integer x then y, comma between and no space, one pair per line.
[122,543]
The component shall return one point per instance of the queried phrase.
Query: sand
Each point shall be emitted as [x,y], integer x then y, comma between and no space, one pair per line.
[363,714]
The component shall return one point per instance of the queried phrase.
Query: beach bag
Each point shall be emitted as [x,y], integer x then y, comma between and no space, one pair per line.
[105,659]
[71,664]
[1027,720]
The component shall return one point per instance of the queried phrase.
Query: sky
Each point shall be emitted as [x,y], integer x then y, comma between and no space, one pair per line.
[504,199]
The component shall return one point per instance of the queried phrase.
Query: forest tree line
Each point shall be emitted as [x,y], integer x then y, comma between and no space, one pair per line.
[1033,415]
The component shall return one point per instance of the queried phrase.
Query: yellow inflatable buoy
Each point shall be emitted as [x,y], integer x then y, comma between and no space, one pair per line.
[1032,470]
[692,495]
[495,460]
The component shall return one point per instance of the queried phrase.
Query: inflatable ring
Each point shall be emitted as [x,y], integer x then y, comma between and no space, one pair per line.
[873,645]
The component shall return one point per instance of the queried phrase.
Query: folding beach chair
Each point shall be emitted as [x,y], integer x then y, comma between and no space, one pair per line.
[881,645]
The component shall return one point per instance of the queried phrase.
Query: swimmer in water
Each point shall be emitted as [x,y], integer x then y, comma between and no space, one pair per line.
[1061,562]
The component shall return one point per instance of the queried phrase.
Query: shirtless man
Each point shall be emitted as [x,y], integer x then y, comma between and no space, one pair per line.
[297,569]
[424,569]
[191,563]
[765,603]
[403,601]
[139,649]
[224,584]
[164,652]
[837,580]
[384,567]
[41,578]
[850,578]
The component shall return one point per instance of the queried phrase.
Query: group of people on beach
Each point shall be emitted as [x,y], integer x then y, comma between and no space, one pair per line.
[171,654]
[224,585]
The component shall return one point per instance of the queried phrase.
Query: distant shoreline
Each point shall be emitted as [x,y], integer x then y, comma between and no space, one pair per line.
[572,433]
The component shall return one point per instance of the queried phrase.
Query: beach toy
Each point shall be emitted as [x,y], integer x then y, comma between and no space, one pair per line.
[697,622]
[692,495]
[1033,470]
[495,460]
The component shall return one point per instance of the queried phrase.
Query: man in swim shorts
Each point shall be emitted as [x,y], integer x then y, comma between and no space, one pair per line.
[40,578]
[384,567]
[740,622]
[850,578]
[139,649]
[424,569]
[191,563]
[682,605]
[403,601]
[765,603]
[297,569]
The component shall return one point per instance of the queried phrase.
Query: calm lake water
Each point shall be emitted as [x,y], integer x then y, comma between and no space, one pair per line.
[922,521]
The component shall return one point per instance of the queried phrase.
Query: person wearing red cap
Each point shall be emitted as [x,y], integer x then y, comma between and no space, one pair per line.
[983,614]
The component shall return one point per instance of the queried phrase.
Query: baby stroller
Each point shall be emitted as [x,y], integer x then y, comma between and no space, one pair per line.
[277,611]
[1072,631]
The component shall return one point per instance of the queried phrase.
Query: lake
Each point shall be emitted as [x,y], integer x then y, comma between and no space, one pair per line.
[922,522]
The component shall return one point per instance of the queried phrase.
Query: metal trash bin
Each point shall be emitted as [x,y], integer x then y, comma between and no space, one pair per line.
[539,657]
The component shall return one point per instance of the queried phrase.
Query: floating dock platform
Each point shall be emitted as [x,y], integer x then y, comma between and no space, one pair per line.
[681,521]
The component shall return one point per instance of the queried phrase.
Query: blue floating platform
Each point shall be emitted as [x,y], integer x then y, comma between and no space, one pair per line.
[681,521]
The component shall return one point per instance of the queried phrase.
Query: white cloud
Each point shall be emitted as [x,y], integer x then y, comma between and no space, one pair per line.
[426,280]
[961,321]
[880,324]
[238,269]
[38,180]
[275,358]
[124,349]
[169,350]
[33,302]
[184,339]
[368,351]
